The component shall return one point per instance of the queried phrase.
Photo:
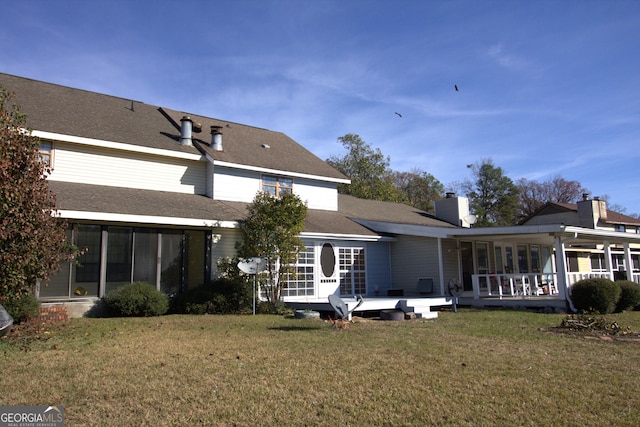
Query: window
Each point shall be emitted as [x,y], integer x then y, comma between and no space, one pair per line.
[597,262]
[352,271]
[276,185]
[621,228]
[301,283]
[44,153]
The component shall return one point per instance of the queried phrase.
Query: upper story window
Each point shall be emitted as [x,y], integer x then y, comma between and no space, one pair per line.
[44,153]
[276,185]
[620,227]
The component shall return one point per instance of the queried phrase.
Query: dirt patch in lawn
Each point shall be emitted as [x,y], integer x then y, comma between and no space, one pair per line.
[594,327]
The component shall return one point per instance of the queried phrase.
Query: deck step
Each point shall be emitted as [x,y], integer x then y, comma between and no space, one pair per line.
[421,310]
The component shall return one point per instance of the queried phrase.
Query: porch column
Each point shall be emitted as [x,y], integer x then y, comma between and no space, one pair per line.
[440,266]
[628,261]
[561,268]
[607,259]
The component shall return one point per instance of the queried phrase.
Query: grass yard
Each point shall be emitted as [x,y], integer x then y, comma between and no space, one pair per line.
[467,368]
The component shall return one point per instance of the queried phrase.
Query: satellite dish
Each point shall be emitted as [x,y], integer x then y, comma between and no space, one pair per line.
[454,288]
[6,321]
[341,308]
[470,219]
[252,265]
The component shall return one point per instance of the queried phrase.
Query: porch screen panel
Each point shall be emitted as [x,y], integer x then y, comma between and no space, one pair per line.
[145,256]
[466,261]
[171,261]
[523,262]
[58,284]
[195,258]
[508,259]
[85,276]
[499,261]
[547,262]
[482,255]
[119,245]
[535,259]
[597,262]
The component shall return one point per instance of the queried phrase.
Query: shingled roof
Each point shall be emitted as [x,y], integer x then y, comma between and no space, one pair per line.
[130,201]
[68,111]
[551,208]
[74,112]
[397,213]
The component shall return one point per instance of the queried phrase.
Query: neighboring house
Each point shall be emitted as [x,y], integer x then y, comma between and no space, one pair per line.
[156,195]
[592,213]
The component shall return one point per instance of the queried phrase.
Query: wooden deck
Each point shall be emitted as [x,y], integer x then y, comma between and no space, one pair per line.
[420,306]
[543,303]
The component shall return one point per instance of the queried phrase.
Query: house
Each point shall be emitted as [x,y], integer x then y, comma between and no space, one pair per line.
[156,194]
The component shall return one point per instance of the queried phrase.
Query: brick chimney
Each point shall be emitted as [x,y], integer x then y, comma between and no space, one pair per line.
[591,211]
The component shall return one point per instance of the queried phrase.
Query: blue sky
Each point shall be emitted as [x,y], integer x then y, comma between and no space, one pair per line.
[546,88]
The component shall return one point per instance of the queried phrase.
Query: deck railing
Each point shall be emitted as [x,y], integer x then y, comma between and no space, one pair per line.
[528,284]
[576,277]
[514,285]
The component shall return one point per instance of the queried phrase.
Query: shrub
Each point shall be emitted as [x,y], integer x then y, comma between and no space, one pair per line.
[280,308]
[216,297]
[21,307]
[137,299]
[629,297]
[595,295]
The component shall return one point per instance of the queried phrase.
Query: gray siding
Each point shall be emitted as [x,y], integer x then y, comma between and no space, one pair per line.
[413,257]
[378,268]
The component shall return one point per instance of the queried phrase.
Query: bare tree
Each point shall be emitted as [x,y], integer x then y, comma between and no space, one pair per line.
[534,194]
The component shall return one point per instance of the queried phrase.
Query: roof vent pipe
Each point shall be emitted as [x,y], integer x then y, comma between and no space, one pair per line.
[216,138]
[186,127]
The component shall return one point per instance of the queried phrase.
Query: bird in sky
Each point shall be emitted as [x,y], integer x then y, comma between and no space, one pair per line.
[399,115]
[456,86]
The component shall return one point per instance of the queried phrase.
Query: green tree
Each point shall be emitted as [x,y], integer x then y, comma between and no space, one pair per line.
[32,238]
[493,197]
[272,230]
[368,169]
[419,189]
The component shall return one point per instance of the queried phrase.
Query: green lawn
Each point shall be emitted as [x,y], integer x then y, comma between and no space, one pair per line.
[466,368]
